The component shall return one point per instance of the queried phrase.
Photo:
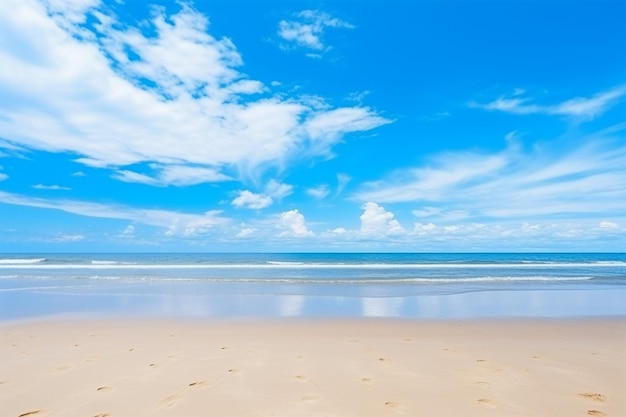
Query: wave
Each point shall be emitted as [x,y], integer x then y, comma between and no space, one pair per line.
[37,264]
[349,281]
[112,263]
[24,261]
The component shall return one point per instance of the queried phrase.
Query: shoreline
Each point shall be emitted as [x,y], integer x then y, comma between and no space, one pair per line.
[313,366]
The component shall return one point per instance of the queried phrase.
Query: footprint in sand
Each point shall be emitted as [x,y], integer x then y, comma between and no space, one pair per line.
[30,413]
[367,380]
[483,384]
[103,415]
[486,402]
[199,384]
[596,413]
[104,389]
[592,396]
[395,406]
[310,398]
[384,359]
[234,371]
[407,339]
[170,401]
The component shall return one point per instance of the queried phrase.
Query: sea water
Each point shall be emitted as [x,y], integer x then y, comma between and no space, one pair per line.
[219,285]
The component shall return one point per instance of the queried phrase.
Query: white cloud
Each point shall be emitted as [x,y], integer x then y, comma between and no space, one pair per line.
[247,199]
[378,222]
[325,128]
[178,175]
[274,191]
[307,29]
[246,232]
[293,224]
[608,225]
[176,223]
[578,107]
[3,176]
[422,229]
[50,187]
[69,238]
[165,93]
[129,231]
[278,190]
[587,180]
[342,181]
[319,192]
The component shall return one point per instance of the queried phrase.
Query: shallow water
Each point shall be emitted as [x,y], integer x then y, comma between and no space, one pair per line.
[313,285]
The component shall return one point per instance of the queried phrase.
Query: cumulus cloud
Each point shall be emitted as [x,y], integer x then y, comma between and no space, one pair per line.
[129,231]
[164,95]
[376,221]
[608,225]
[247,199]
[307,29]
[274,191]
[293,224]
[578,107]
[246,232]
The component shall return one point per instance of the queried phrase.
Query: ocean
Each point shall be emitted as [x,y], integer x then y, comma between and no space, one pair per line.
[244,285]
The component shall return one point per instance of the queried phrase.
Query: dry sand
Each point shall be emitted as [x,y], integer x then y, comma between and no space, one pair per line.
[298,368]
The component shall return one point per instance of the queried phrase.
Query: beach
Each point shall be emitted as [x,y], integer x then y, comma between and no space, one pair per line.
[259,335]
[305,367]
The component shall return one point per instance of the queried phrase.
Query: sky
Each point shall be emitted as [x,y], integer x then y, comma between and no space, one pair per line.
[310,125]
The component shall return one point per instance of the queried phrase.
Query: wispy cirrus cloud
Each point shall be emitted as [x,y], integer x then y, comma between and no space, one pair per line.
[53,187]
[177,175]
[164,94]
[174,223]
[586,181]
[306,30]
[585,108]
[319,192]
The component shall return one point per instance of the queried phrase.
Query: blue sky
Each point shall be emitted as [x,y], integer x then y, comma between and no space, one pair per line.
[293,125]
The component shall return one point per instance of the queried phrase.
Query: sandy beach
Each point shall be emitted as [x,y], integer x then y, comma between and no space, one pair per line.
[361,367]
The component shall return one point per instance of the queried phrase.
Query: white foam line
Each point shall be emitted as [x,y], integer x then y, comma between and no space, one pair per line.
[317,266]
[21,261]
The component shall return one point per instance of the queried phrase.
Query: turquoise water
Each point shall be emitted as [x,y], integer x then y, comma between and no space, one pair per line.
[313,285]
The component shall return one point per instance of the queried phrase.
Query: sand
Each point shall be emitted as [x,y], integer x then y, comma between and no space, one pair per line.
[116,368]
